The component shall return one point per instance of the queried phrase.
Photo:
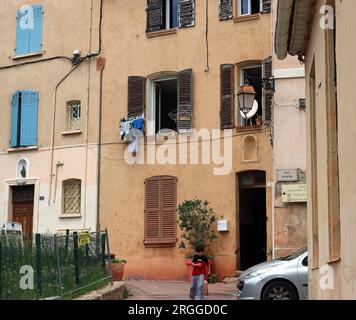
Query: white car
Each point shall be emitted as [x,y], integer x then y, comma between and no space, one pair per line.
[281,279]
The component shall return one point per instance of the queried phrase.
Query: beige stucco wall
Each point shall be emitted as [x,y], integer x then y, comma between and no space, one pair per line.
[344,270]
[67,26]
[129,52]
[289,150]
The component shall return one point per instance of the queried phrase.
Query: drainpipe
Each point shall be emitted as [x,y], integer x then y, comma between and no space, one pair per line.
[54,125]
[99,150]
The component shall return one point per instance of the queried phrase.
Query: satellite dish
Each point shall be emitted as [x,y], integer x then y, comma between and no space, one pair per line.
[252,112]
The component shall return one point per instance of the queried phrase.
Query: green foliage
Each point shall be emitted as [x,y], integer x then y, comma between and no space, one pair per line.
[14,255]
[213,278]
[118,261]
[196,220]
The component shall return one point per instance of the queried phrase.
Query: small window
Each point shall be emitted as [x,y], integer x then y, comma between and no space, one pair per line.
[305,261]
[162,15]
[73,116]
[248,7]
[71,196]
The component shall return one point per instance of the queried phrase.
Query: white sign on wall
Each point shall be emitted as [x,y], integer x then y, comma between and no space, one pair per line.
[287,175]
[294,193]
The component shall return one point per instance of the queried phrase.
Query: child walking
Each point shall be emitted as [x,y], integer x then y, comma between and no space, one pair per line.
[200,265]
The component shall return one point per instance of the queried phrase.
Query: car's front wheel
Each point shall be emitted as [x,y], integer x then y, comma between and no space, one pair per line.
[279,290]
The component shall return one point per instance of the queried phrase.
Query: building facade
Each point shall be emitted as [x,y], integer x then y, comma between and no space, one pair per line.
[180,64]
[289,153]
[324,42]
[49,111]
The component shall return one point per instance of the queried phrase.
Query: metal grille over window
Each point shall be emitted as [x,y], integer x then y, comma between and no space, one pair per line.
[73,116]
[72,196]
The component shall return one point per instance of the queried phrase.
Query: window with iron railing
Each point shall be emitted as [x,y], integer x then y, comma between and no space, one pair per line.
[73,116]
[71,196]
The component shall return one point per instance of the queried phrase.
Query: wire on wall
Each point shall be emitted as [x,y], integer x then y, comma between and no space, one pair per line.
[207,36]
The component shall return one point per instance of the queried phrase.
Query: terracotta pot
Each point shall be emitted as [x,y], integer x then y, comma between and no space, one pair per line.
[259,122]
[118,270]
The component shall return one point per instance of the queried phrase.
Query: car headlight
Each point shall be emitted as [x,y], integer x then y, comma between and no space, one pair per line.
[258,272]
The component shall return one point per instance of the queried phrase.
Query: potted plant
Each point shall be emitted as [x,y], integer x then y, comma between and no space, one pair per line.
[118,269]
[259,121]
[196,220]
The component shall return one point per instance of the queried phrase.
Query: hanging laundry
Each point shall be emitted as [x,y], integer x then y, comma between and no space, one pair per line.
[131,130]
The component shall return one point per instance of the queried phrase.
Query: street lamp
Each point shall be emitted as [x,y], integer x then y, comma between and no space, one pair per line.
[246,97]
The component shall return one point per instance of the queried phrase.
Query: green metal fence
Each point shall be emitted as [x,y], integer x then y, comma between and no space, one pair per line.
[53,266]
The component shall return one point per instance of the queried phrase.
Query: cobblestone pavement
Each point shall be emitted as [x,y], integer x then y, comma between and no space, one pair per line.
[175,290]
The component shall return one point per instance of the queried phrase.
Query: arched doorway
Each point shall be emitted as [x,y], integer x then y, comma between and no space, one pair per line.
[252,219]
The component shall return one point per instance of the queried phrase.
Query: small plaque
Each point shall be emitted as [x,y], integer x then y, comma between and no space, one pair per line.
[294,193]
[287,175]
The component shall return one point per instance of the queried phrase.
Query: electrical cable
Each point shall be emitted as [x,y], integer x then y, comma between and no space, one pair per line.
[206,36]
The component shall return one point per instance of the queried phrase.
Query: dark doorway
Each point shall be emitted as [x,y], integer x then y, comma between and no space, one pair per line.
[22,208]
[166,103]
[252,238]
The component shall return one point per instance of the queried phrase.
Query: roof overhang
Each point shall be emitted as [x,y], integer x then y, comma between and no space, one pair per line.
[293,27]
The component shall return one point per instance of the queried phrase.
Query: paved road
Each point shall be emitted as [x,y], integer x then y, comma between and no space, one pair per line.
[175,290]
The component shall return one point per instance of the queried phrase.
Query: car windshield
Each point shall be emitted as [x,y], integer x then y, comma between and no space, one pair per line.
[294,255]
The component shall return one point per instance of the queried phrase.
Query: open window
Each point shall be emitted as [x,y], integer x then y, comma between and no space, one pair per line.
[165,99]
[252,75]
[248,7]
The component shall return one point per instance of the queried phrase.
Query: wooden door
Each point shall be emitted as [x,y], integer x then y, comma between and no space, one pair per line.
[23,213]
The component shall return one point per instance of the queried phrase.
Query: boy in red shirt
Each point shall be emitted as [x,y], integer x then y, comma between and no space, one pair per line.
[200,272]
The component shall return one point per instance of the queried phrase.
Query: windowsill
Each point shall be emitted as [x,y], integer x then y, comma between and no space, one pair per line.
[160,33]
[249,17]
[70,215]
[159,244]
[248,129]
[336,260]
[67,133]
[20,149]
[27,55]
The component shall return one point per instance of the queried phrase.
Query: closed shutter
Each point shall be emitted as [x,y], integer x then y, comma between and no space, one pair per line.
[185,101]
[36,32]
[186,13]
[168,213]
[266,6]
[136,96]
[225,10]
[15,120]
[152,210]
[227,104]
[154,15]
[22,33]
[29,118]
[268,90]
[160,211]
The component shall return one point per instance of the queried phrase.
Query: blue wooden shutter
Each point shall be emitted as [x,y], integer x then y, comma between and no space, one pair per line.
[36,33]
[29,118]
[174,13]
[14,120]
[22,34]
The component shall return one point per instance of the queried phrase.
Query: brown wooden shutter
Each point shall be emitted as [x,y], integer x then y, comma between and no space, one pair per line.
[227,106]
[136,96]
[225,10]
[266,6]
[160,211]
[154,15]
[268,90]
[169,205]
[186,13]
[185,100]
[152,210]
